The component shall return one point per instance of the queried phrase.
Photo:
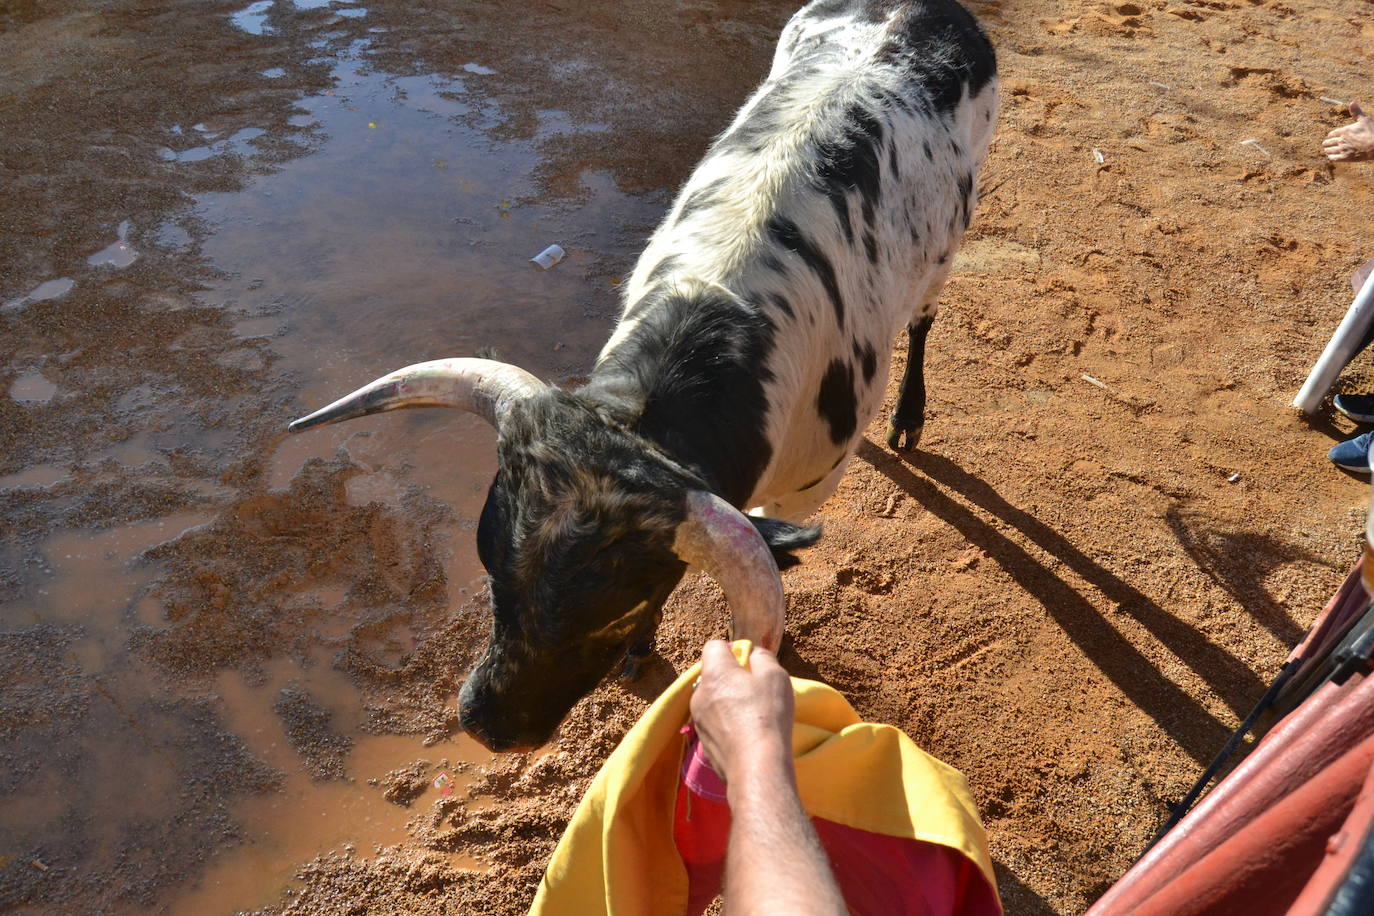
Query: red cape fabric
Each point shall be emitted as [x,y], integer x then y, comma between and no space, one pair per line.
[879,875]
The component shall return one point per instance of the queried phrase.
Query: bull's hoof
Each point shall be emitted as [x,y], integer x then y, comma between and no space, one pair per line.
[634,666]
[898,429]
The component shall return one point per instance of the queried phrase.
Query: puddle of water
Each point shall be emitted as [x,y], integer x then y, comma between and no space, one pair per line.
[42,804]
[308,817]
[149,612]
[106,799]
[253,18]
[90,580]
[120,254]
[40,475]
[134,452]
[338,621]
[32,388]
[246,134]
[381,487]
[234,143]
[404,236]
[50,289]
[194,154]
[274,73]
[450,454]
[249,328]
[172,236]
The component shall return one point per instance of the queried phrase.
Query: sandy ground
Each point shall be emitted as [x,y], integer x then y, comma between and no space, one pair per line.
[216,643]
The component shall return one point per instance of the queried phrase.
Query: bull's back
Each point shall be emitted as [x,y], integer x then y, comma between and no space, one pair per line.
[831,208]
[895,159]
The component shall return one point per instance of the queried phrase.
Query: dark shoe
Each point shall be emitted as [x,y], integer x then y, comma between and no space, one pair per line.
[1353,454]
[1358,407]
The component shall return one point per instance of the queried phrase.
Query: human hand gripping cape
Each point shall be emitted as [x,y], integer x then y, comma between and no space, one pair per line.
[892,818]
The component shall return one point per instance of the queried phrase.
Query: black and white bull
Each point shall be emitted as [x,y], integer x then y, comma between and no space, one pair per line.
[752,352]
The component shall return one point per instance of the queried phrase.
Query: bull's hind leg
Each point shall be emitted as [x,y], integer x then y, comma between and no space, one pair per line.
[910,414]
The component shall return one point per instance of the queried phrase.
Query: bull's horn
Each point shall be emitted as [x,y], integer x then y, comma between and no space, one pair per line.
[482,386]
[719,538]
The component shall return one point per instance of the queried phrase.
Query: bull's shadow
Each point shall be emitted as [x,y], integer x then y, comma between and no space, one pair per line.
[1195,730]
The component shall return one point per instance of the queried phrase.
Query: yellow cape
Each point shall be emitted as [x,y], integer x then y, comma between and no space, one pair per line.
[618,857]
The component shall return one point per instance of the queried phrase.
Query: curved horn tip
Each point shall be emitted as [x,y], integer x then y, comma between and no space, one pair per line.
[309,421]
[725,543]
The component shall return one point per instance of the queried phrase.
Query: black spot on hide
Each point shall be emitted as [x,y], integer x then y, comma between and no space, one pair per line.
[773,262]
[786,234]
[850,163]
[780,303]
[943,49]
[836,403]
[869,358]
[661,270]
[700,199]
[699,362]
[966,186]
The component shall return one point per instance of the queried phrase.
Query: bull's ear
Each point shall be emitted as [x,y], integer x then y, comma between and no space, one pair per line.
[784,537]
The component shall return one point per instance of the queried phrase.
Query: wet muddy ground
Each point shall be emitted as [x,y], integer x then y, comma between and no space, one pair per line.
[228,659]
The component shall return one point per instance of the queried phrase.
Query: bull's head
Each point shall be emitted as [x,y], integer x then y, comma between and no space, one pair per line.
[586,530]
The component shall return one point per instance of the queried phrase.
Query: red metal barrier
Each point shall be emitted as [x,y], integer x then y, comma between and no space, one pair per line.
[1341,850]
[1335,718]
[1261,869]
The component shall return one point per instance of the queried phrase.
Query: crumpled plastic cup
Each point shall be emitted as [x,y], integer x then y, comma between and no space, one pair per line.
[548,257]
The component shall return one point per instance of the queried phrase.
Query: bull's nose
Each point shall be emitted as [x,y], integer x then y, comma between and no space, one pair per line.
[497,744]
[500,745]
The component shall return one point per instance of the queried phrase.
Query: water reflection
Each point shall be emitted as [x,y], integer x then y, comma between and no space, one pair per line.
[48,289]
[331,191]
[32,388]
[118,254]
[253,18]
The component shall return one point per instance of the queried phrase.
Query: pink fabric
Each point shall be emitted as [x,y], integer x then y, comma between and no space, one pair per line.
[697,773]
[878,875]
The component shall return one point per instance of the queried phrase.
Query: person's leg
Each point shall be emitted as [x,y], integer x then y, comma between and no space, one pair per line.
[1358,407]
[1353,454]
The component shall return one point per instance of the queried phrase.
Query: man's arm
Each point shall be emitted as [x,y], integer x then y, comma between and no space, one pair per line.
[774,862]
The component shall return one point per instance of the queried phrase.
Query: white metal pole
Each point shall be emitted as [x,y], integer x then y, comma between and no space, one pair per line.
[1340,350]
